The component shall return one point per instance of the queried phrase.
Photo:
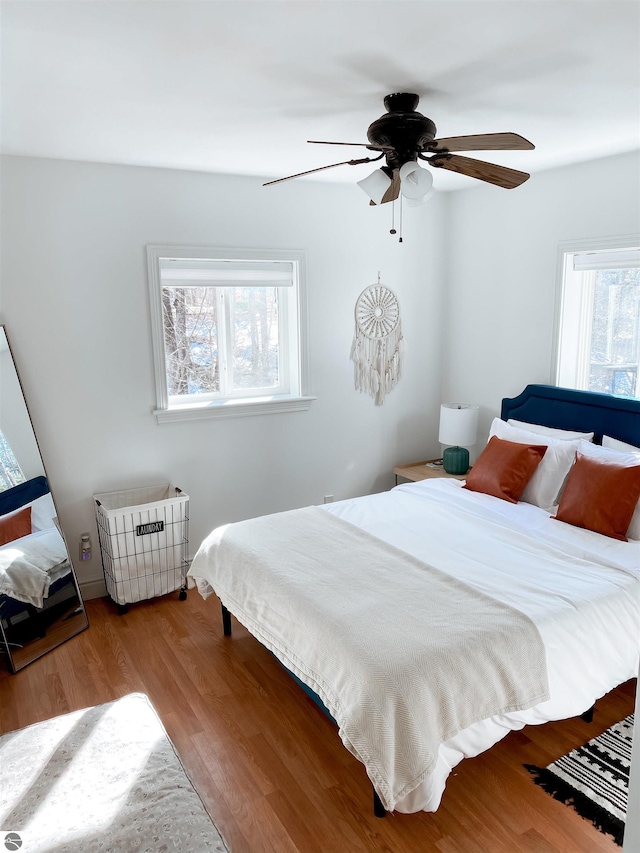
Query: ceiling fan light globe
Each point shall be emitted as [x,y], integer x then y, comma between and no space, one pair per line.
[407,169]
[418,202]
[375,185]
[415,182]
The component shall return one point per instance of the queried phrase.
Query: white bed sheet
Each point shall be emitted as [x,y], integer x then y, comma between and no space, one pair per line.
[584,595]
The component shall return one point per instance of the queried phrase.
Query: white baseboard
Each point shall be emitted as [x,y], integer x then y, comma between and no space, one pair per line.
[93,589]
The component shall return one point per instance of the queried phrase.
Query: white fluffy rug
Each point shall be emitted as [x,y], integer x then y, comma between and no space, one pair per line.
[103,779]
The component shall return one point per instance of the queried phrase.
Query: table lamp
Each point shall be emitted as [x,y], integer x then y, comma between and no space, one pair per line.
[458,428]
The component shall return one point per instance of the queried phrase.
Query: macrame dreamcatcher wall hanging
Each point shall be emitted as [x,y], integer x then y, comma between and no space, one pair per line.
[376,351]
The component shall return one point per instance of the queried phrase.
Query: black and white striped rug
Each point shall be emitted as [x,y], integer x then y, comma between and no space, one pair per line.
[594,778]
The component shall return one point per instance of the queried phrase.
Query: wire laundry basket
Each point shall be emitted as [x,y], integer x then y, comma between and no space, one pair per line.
[144,542]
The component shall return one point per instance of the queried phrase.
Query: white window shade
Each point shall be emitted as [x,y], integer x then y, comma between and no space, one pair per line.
[182,272]
[619,259]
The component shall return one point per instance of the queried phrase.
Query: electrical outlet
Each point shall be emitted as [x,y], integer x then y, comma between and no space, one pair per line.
[85,547]
[328,499]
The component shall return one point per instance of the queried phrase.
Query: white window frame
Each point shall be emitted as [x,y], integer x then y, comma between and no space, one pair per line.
[292,393]
[580,304]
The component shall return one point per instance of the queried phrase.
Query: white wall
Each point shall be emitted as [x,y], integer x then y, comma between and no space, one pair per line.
[74,298]
[501,284]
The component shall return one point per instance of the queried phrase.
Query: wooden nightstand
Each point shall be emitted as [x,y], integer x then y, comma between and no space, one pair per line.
[416,471]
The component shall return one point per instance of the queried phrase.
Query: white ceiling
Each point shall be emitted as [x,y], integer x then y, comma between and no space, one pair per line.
[238,86]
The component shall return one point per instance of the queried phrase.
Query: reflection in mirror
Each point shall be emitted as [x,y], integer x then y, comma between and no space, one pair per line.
[40,601]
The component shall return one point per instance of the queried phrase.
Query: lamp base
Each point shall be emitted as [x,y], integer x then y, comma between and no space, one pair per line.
[455,460]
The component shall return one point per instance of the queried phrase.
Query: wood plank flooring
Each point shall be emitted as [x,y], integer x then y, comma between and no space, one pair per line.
[270,766]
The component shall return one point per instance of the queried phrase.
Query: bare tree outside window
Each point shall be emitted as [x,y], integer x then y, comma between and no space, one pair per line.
[254,336]
[10,472]
[615,332]
[191,339]
[193,342]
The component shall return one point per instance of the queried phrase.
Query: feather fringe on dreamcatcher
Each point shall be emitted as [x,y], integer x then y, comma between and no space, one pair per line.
[377,346]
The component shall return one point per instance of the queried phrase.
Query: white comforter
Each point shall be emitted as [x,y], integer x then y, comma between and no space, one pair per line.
[581,590]
[30,564]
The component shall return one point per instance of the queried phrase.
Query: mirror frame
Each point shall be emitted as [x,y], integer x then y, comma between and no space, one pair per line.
[36,647]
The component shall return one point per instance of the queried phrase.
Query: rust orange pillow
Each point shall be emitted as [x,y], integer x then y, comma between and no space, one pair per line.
[600,496]
[504,468]
[14,525]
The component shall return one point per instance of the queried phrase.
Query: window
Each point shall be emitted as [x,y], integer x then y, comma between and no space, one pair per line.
[10,472]
[227,331]
[599,323]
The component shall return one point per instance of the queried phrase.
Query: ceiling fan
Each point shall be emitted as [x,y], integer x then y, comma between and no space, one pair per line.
[403,136]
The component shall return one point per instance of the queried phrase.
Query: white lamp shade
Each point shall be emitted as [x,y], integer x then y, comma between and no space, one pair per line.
[458,424]
[415,182]
[375,185]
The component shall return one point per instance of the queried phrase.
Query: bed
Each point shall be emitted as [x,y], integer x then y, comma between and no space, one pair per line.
[431,620]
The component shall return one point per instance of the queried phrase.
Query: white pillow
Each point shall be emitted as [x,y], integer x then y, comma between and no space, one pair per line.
[544,487]
[616,444]
[617,457]
[42,512]
[565,434]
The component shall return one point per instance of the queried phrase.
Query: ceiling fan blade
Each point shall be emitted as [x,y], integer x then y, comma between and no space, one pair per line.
[321,168]
[482,142]
[501,176]
[393,191]
[361,144]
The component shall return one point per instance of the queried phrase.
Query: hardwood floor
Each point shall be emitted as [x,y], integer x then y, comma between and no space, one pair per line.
[270,766]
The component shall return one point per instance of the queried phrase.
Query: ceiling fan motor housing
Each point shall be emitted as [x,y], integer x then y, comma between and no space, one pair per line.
[402,128]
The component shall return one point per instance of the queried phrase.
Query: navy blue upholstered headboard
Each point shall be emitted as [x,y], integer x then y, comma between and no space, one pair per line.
[23,494]
[584,411]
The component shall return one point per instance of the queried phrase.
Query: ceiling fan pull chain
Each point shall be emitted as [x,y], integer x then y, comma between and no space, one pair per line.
[393,217]
[400,238]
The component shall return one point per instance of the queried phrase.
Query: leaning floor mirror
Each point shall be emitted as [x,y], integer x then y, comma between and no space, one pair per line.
[40,601]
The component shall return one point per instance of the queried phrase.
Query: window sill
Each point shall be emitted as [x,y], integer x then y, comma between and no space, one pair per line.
[233,409]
